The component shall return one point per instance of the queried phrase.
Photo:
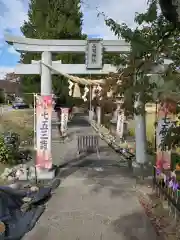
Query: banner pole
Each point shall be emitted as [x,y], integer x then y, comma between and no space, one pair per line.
[34,95]
[35,145]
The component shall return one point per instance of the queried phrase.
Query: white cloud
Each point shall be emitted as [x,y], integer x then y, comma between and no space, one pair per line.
[14,12]
[12,15]
[4,71]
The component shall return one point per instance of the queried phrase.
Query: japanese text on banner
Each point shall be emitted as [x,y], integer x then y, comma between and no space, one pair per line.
[43,131]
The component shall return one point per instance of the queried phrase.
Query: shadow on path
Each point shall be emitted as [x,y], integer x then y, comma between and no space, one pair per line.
[96,199]
[101,173]
[133,229]
[107,172]
[78,121]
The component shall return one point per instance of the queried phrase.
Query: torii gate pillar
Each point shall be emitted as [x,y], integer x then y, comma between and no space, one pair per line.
[46,80]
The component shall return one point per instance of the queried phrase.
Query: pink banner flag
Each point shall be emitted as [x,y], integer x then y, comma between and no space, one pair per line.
[64,120]
[43,131]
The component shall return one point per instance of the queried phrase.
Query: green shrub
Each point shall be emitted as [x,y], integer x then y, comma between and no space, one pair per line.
[9,151]
[5,154]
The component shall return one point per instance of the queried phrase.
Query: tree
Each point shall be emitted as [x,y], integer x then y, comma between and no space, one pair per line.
[153,40]
[52,19]
[170,10]
[2,96]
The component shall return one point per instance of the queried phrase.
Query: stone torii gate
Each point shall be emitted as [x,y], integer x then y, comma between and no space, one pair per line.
[92,48]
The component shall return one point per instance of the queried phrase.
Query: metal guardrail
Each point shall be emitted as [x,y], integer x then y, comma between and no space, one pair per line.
[87,143]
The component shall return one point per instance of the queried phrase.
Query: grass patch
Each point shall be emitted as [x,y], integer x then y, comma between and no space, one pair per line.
[150,133]
[150,129]
[19,121]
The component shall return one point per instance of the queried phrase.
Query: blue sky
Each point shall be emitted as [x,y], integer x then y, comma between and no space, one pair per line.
[14,12]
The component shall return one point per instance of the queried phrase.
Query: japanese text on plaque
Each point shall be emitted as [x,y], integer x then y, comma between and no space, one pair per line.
[94,53]
[44,130]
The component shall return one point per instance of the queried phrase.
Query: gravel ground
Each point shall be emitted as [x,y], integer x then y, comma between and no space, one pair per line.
[96,199]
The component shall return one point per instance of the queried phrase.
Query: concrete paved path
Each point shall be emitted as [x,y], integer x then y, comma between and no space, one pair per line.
[96,199]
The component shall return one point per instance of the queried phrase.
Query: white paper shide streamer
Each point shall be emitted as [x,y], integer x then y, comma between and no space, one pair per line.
[71,84]
[110,93]
[86,90]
